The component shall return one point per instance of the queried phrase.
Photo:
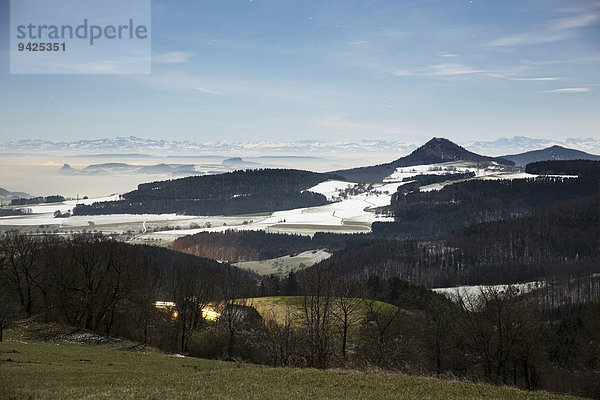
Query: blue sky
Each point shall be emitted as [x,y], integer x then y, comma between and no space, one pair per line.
[335,70]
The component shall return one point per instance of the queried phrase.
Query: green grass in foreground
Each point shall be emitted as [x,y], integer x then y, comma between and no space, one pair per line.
[59,370]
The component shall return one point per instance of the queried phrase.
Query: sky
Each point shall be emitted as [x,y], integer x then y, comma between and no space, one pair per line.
[277,70]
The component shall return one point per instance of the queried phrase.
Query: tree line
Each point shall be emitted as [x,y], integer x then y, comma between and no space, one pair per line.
[110,287]
[95,283]
[37,200]
[238,246]
[238,192]
[560,239]
[582,168]
[425,215]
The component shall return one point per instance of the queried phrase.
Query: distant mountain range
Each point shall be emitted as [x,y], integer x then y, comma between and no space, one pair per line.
[520,144]
[136,146]
[437,150]
[122,168]
[132,145]
[554,153]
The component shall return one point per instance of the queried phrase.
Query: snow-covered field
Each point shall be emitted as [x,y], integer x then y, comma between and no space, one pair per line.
[331,188]
[508,175]
[84,220]
[349,213]
[475,291]
[43,214]
[286,264]
[67,205]
[352,210]
[434,169]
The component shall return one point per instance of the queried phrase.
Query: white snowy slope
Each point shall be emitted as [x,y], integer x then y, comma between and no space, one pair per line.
[84,220]
[488,172]
[43,214]
[454,167]
[485,176]
[350,215]
[352,211]
[285,264]
[453,293]
[331,189]
[513,175]
[67,205]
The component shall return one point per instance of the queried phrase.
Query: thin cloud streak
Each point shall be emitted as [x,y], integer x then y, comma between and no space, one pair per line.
[531,38]
[579,21]
[204,90]
[172,57]
[440,70]
[534,79]
[567,90]
[555,31]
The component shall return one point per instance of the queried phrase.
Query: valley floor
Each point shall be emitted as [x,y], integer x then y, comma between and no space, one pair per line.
[353,210]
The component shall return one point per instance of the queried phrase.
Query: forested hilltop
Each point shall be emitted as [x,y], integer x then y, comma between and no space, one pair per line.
[587,169]
[239,192]
[419,215]
[437,150]
[238,246]
[561,239]
[424,215]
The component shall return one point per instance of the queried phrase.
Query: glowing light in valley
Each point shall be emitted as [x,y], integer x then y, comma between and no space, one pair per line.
[207,312]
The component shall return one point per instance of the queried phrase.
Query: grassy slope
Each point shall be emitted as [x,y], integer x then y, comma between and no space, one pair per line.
[281,265]
[60,370]
[276,307]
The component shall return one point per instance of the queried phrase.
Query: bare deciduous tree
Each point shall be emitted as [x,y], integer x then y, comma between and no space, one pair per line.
[20,259]
[191,291]
[317,315]
[280,339]
[347,307]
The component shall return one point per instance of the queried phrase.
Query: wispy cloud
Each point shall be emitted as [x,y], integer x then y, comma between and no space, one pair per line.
[531,38]
[453,69]
[578,21]
[204,90]
[555,31]
[172,57]
[441,70]
[447,55]
[567,90]
[551,78]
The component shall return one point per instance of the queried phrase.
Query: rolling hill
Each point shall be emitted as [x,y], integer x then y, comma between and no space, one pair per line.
[554,153]
[6,196]
[437,150]
[238,192]
[559,237]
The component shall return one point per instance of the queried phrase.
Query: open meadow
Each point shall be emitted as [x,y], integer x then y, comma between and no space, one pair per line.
[32,368]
